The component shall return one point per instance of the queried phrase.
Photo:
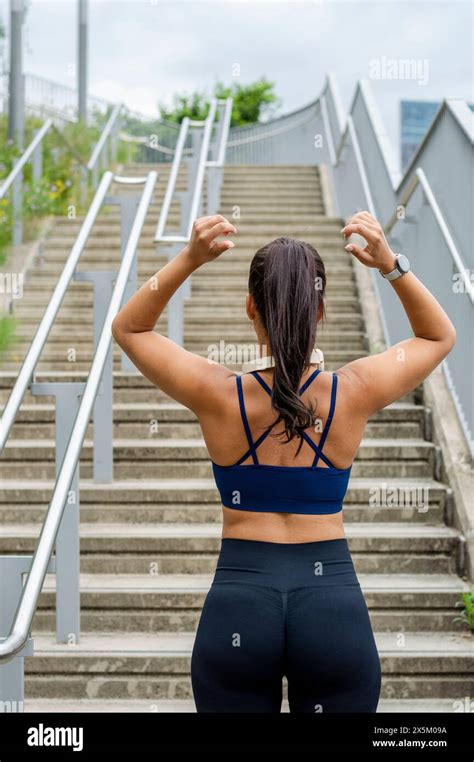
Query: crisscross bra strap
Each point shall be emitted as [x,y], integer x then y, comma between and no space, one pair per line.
[252,445]
[265,386]
[327,425]
[318,449]
[309,380]
[251,450]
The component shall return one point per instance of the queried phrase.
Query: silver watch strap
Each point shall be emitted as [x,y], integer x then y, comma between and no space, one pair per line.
[393,275]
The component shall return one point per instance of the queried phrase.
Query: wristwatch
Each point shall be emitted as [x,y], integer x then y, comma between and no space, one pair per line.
[402,266]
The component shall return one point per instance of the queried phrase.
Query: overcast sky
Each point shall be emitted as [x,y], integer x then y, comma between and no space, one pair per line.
[142,51]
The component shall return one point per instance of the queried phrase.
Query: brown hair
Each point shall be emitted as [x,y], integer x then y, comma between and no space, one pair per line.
[287,281]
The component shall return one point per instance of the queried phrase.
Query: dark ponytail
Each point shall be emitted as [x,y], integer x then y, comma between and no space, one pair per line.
[287,281]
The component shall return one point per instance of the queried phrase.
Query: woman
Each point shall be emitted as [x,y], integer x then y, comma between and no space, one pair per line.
[285,598]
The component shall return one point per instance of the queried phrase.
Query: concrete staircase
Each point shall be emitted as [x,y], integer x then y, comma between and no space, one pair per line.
[149,540]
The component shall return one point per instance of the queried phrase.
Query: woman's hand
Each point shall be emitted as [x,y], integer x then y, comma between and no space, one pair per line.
[377,253]
[204,246]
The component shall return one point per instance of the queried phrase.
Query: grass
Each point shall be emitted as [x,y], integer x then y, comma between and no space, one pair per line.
[467,614]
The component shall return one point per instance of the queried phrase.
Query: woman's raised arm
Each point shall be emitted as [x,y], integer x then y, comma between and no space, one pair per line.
[383,378]
[184,376]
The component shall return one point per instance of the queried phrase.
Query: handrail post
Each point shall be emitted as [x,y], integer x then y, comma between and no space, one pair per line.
[103,149]
[12,569]
[215,169]
[37,163]
[17,209]
[128,205]
[103,414]
[192,165]
[68,601]
[191,199]
[15,179]
[170,187]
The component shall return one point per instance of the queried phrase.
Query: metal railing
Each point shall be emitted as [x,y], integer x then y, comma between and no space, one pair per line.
[18,642]
[29,364]
[172,179]
[159,142]
[215,166]
[103,156]
[51,99]
[34,154]
[289,139]
[436,236]
[419,178]
[104,153]
[191,199]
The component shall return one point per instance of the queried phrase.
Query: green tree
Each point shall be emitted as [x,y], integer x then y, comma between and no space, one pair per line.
[250,103]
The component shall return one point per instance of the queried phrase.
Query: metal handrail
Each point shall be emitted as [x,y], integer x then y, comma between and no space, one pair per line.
[21,626]
[419,178]
[203,162]
[106,132]
[142,140]
[183,133]
[224,134]
[307,117]
[25,157]
[41,335]
[397,193]
[80,161]
[327,127]
[200,172]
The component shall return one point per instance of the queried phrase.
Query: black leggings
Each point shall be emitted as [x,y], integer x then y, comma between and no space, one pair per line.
[285,609]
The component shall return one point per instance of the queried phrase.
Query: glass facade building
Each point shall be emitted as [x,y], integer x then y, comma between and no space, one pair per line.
[415,119]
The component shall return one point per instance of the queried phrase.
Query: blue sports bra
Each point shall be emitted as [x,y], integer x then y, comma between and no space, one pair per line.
[283,489]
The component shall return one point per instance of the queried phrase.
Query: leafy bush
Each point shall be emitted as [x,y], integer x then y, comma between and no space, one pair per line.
[59,186]
[7,331]
[467,615]
[251,103]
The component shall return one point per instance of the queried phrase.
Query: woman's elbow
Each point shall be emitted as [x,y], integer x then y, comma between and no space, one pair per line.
[117,330]
[450,339]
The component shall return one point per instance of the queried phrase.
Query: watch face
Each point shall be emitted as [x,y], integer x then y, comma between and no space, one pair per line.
[403,264]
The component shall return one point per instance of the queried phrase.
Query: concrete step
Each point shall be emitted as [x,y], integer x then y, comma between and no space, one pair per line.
[172,603]
[230,296]
[232,318]
[247,226]
[180,548]
[221,349]
[138,666]
[58,361]
[199,337]
[336,302]
[137,168]
[178,706]
[188,458]
[408,509]
[398,421]
[108,259]
[124,383]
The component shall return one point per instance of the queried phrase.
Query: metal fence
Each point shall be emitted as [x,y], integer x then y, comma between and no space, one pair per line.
[427,213]
[292,139]
[50,99]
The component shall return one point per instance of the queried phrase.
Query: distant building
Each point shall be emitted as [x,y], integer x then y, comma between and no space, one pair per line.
[415,119]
